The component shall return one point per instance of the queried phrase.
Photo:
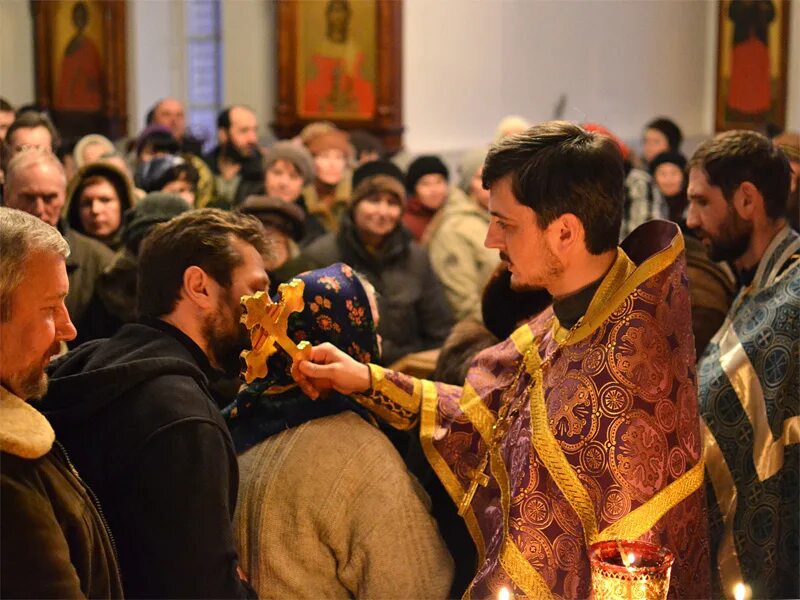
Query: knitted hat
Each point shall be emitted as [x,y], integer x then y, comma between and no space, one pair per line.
[287,217]
[670,130]
[330,140]
[674,158]
[597,128]
[155,208]
[297,155]
[375,177]
[470,163]
[425,165]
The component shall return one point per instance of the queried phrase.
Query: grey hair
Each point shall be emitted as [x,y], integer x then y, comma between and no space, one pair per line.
[22,235]
[27,158]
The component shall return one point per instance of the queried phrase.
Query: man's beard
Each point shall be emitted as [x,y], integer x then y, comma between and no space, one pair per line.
[733,239]
[31,384]
[550,268]
[237,155]
[226,339]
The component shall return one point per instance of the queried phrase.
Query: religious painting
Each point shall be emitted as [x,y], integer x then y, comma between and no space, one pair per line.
[752,64]
[340,61]
[336,59]
[80,64]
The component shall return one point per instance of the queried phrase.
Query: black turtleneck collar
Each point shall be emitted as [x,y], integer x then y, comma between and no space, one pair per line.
[570,309]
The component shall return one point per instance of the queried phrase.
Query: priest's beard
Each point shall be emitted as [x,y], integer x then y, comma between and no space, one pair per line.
[733,238]
[226,337]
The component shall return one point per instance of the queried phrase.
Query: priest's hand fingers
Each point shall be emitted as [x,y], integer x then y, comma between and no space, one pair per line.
[329,365]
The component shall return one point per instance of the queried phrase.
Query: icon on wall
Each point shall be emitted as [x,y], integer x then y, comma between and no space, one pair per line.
[752,63]
[80,65]
[340,61]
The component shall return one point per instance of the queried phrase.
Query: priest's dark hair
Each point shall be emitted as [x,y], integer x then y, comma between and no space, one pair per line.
[557,168]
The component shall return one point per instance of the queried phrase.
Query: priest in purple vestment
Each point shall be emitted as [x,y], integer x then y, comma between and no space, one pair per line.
[582,426]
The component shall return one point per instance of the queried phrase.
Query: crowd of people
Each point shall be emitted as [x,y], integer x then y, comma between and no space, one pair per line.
[591,305]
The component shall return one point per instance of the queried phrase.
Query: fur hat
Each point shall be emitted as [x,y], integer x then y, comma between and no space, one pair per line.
[293,153]
[287,217]
[670,130]
[155,208]
[330,140]
[375,177]
[425,165]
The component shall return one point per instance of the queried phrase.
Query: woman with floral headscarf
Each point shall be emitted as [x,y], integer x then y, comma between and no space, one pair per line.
[326,506]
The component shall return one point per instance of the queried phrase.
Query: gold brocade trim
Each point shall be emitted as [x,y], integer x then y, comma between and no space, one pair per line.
[554,459]
[522,338]
[621,281]
[477,412]
[398,408]
[767,451]
[643,518]
[521,572]
[449,480]
[525,577]
[730,572]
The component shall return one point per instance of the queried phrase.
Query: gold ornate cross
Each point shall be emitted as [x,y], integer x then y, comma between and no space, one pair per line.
[266,321]
[478,478]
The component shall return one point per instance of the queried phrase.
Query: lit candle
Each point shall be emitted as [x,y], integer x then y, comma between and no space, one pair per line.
[741,591]
[504,594]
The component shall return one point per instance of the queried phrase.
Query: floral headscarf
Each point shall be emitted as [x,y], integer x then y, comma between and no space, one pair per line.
[336,310]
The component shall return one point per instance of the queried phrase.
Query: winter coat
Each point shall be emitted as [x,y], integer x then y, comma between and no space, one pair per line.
[414,314]
[328,510]
[54,541]
[136,415]
[458,256]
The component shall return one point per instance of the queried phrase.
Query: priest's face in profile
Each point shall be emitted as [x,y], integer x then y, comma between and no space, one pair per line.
[524,247]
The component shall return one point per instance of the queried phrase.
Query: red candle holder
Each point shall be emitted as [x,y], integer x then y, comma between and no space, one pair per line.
[627,570]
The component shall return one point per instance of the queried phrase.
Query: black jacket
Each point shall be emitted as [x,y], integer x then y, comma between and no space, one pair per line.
[414,313]
[138,419]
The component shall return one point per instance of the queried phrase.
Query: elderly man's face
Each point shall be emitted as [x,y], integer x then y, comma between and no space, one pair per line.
[38,323]
[40,190]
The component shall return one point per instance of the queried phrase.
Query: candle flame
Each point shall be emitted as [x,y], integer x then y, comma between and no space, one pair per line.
[740,591]
[504,594]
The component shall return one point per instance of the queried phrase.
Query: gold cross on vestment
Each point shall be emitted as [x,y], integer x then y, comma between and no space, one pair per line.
[266,322]
[479,478]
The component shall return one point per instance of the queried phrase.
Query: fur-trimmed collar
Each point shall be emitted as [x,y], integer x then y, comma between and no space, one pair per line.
[24,431]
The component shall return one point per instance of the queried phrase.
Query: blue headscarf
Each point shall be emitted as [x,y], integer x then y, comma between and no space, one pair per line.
[336,310]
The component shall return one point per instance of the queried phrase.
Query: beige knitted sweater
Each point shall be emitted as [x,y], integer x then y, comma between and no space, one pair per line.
[328,510]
